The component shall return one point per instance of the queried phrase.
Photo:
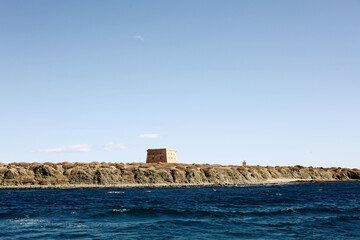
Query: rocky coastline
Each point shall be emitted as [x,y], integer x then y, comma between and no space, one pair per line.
[94,174]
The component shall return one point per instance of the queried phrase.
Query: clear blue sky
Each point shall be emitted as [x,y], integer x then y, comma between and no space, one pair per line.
[271,82]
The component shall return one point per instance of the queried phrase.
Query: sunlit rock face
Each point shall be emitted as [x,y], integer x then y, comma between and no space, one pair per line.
[102,174]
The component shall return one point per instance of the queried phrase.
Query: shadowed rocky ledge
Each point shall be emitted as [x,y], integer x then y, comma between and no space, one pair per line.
[145,174]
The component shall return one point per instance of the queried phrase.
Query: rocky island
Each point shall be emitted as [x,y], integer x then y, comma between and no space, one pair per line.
[94,174]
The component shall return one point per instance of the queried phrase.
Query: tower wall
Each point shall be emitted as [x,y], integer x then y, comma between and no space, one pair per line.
[161,155]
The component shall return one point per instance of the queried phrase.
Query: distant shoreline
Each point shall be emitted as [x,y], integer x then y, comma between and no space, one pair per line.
[173,185]
[140,175]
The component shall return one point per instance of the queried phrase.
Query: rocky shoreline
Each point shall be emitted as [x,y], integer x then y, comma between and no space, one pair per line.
[125,175]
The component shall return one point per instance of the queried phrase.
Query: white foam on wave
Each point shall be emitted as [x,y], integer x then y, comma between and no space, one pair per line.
[28,221]
[121,210]
[115,192]
[77,225]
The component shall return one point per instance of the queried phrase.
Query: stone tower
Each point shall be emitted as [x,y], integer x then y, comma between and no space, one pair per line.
[161,155]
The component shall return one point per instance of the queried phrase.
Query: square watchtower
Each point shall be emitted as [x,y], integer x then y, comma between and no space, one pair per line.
[159,155]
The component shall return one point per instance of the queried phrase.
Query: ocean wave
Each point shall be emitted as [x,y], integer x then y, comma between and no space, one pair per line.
[121,210]
[233,212]
[28,221]
[115,192]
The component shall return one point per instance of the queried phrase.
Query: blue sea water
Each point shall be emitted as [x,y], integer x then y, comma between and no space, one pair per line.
[296,211]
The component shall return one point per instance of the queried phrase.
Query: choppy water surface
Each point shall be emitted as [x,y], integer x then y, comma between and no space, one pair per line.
[298,211]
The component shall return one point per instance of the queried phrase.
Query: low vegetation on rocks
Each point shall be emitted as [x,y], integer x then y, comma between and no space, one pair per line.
[95,173]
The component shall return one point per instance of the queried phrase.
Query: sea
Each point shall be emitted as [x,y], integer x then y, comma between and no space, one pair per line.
[289,211]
